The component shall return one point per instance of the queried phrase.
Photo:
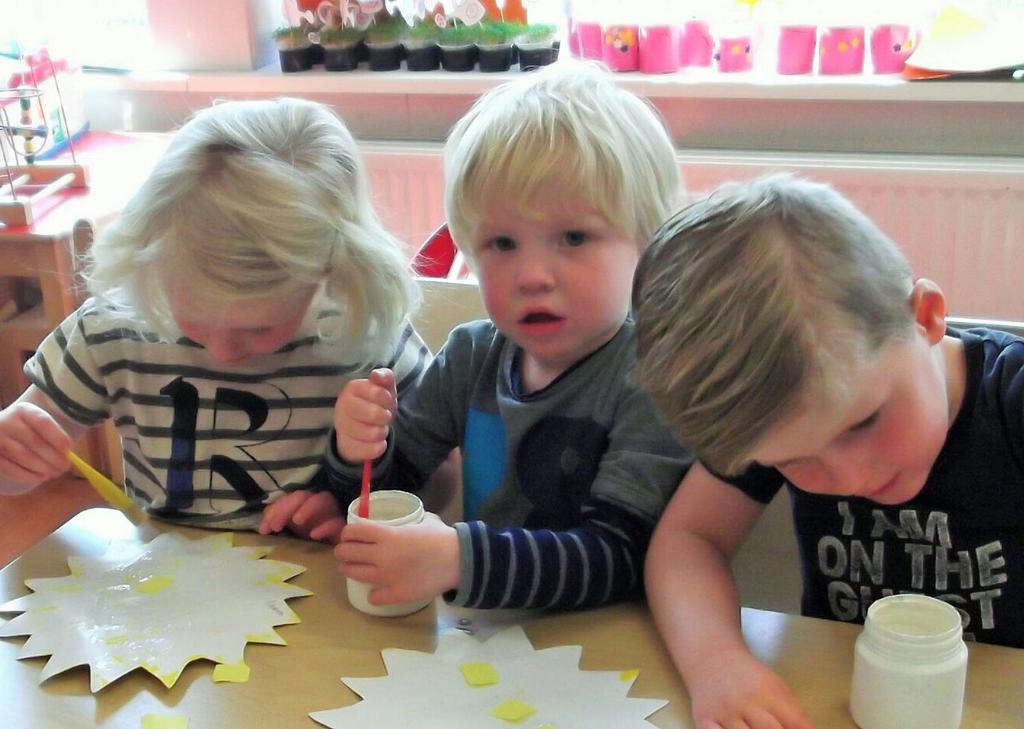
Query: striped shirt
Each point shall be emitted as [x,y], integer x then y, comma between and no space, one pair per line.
[206,443]
[561,487]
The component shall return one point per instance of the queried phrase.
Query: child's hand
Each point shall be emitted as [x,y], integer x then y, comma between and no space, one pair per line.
[305,513]
[33,448]
[735,689]
[362,414]
[406,563]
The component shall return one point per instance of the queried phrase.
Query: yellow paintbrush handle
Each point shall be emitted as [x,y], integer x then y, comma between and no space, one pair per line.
[106,488]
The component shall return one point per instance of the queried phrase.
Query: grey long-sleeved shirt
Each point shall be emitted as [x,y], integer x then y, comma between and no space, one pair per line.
[562,487]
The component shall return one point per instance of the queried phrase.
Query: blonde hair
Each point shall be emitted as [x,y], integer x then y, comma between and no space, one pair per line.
[755,296]
[567,122]
[251,200]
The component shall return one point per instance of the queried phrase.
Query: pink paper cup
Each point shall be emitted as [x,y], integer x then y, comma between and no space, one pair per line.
[589,35]
[796,49]
[659,49]
[735,54]
[696,46]
[841,50]
[891,45]
[620,47]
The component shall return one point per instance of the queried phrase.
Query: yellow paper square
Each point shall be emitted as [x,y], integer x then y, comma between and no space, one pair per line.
[629,674]
[164,721]
[512,710]
[233,672]
[479,673]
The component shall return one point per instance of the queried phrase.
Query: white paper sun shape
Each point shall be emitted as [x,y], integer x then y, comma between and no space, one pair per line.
[155,606]
[500,683]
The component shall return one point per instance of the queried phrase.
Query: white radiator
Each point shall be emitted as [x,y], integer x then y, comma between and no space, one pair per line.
[960,220]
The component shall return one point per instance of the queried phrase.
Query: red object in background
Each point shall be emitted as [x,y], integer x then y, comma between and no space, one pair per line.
[439,258]
[435,257]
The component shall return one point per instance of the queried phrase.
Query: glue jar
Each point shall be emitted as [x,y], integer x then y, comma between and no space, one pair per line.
[394,508]
[910,665]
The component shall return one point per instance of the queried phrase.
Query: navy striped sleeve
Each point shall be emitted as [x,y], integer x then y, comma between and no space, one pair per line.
[595,563]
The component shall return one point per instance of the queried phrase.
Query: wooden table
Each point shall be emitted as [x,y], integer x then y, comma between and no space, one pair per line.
[333,640]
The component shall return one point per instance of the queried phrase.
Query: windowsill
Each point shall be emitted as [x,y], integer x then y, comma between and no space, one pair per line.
[692,84]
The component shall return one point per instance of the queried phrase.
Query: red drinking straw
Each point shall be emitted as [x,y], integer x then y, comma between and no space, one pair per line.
[364,496]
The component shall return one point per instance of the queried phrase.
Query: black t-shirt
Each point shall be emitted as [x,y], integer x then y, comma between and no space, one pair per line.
[961,539]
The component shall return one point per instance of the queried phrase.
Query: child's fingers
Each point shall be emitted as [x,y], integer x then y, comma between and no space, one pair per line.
[365,532]
[385,378]
[315,508]
[277,516]
[32,456]
[382,596]
[48,430]
[356,452]
[367,573]
[35,440]
[356,553]
[365,399]
[15,473]
[328,531]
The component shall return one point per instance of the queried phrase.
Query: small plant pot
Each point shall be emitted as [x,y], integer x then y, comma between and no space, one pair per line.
[316,54]
[341,58]
[386,57]
[295,59]
[494,59]
[458,58]
[422,58]
[535,55]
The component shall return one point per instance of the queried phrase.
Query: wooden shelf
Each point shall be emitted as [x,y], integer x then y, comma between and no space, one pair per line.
[29,325]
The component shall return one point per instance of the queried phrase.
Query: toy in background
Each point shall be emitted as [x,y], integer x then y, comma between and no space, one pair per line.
[34,126]
[457,34]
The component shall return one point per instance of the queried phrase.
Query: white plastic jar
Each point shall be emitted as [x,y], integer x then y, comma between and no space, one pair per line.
[910,665]
[395,508]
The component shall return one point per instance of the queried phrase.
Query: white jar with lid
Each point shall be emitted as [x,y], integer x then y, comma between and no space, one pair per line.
[910,665]
[394,508]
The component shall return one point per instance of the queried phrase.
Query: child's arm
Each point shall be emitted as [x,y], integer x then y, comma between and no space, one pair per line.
[696,606]
[590,553]
[35,437]
[483,567]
